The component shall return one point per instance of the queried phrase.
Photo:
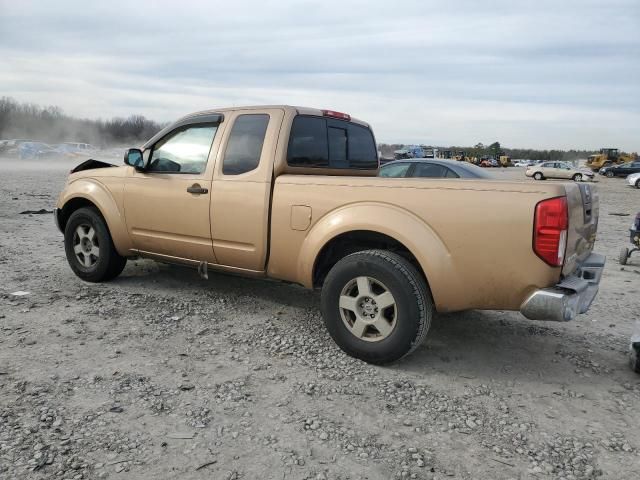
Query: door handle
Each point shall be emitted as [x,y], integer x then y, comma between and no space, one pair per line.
[197,189]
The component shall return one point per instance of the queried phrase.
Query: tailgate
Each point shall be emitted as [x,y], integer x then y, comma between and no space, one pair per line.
[583,205]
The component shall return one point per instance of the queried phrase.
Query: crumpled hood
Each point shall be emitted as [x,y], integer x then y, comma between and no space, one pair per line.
[97,169]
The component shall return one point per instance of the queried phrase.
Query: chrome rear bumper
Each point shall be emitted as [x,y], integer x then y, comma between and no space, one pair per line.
[571,297]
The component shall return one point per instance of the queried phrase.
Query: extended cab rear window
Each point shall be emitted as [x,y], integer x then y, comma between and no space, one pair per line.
[330,143]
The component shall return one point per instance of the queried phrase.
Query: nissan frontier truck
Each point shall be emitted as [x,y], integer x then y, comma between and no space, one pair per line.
[292,194]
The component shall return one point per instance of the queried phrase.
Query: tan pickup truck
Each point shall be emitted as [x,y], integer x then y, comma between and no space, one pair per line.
[292,193]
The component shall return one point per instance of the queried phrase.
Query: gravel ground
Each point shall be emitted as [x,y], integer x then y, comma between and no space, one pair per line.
[159,374]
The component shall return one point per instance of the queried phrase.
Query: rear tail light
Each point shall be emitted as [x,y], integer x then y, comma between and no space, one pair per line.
[550,230]
[333,114]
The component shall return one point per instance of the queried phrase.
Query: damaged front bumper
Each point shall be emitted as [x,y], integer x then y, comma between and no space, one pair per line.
[571,297]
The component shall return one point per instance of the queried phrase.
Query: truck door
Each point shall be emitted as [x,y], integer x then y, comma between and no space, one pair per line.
[241,190]
[167,205]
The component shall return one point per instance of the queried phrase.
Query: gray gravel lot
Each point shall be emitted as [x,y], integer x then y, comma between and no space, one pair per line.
[159,374]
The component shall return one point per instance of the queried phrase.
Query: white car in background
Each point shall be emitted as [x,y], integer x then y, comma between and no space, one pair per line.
[634,180]
[562,170]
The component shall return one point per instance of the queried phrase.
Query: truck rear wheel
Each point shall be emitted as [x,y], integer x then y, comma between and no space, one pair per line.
[89,247]
[376,306]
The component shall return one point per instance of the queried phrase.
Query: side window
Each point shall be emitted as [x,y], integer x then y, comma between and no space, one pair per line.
[331,143]
[362,148]
[183,151]
[395,170]
[244,147]
[308,145]
[451,174]
[429,170]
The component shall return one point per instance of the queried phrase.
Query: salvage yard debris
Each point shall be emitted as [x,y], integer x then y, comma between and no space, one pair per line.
[42,211]
[264,368]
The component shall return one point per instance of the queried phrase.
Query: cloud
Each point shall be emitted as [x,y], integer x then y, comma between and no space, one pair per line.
[542,74]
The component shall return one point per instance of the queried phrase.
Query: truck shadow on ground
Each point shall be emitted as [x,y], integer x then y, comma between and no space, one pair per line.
[473,344]
[173,278]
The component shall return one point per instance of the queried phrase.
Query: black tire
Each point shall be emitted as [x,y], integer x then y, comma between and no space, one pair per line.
[623,256]
[610,174]
[577,177]
[538,176]
[108,264]
[412,300]
[638,183]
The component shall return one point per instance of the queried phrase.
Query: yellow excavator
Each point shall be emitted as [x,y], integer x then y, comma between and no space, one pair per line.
[504,160]
[609,156]
[460,156]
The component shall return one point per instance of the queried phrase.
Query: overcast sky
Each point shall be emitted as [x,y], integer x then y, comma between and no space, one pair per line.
[544,74]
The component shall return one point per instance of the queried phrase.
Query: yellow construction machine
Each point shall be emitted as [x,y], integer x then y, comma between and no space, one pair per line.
[460,156]
[609,156]
[504,160]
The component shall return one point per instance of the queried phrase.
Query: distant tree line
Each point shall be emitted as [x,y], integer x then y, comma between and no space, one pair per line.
[479,150]
[51,125]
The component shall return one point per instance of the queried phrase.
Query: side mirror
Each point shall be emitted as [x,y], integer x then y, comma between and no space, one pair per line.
[133,157]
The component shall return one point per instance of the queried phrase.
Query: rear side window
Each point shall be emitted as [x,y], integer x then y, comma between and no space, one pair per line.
[308,146]
[395,170]
[362,148]
[244,147]
[329,143]
[429,170]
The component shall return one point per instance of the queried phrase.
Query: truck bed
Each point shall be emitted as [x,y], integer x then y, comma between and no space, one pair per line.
[472,238]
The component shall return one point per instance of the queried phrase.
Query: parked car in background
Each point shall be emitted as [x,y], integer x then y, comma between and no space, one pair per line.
[521,163]
[562,170]
[74,148]
[36,150]
[634,180]
[428,168]
[47,152]
[10,147]
[621,170]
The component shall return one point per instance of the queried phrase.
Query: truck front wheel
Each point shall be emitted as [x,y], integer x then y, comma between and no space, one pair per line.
[376,306]
[89,247]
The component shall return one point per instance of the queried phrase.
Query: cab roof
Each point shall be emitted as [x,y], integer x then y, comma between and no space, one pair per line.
[290,108]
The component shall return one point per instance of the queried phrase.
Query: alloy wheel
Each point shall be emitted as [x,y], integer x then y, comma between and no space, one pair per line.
[85,245]
[368,309]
